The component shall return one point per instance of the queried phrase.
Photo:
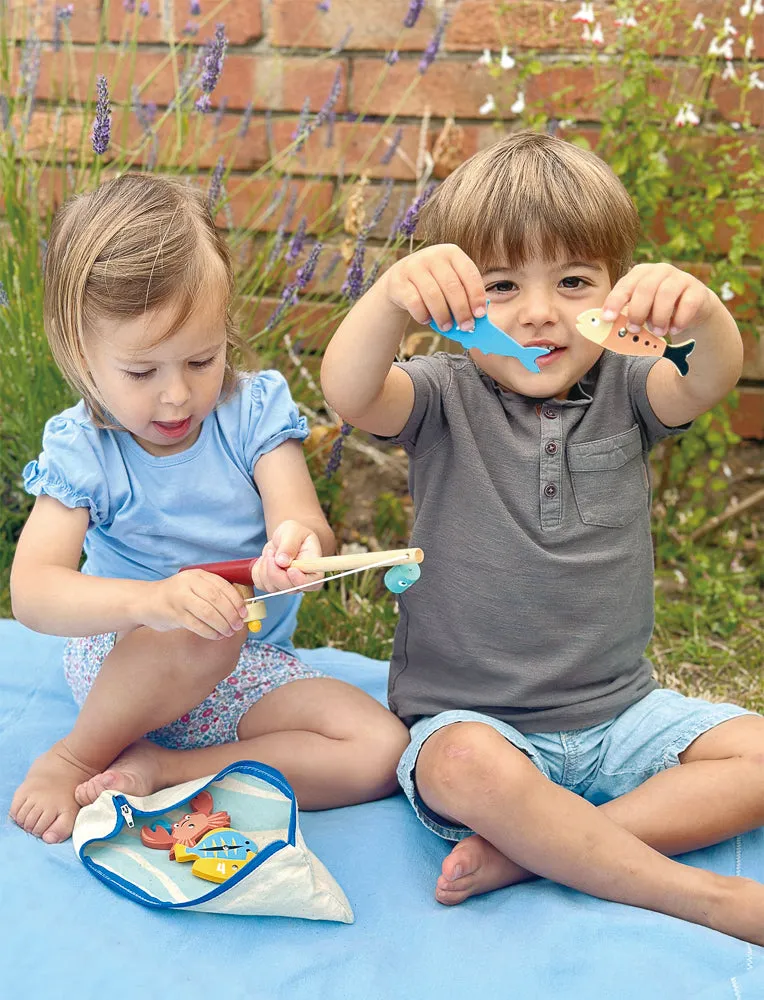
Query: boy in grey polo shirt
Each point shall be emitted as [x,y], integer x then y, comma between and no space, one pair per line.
[539,738]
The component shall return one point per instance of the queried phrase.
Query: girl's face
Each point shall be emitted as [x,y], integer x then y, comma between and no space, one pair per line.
[160,392]
[538,306]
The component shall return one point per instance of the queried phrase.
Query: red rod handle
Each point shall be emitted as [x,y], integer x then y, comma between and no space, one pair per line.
[235,571]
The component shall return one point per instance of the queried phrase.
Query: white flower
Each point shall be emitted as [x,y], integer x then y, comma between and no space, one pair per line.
[749,47]
[681,578]
[506,61]
[736,566]
[745,10]
[686,116]
[729,71]
[758,7]
[585,13]
[485,59]
[699,23]
[626,22]
[729,28]
[735,125]
[754,81]
[725,49]
[489,106]
[728,473]
[566,123]
[586,34]
[519,106]
[726,292]
[597,37]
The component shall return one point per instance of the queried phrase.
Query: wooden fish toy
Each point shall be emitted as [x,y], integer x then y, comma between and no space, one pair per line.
[614,336]
[488,338]
[218,855]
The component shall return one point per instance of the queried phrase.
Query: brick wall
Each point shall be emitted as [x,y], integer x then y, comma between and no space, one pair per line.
[282,51]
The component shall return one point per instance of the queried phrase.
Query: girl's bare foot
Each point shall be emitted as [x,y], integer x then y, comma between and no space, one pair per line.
[137,771]
[473,867]
[44,803]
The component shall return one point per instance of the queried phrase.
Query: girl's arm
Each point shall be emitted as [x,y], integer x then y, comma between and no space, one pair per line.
[49,594]
[294,521]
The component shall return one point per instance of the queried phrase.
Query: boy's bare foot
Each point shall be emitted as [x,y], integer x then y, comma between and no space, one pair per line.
[44,803]
[473,867]
[137,771]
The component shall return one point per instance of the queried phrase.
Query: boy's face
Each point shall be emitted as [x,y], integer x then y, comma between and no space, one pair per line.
[538,306]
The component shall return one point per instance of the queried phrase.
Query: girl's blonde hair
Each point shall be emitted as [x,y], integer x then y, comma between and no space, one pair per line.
[136,243]
[531,194]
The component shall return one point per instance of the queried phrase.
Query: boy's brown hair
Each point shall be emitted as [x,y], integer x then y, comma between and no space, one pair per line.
[532,193]
[135,244]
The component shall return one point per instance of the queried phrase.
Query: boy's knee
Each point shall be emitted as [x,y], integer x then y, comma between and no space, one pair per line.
[466,756]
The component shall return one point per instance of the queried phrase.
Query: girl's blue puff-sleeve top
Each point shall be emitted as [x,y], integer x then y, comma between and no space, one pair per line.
[149,515]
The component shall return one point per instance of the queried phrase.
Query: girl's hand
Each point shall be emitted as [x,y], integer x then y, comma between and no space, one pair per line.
[289,541]
[195,600]
[667,299]
[437,283]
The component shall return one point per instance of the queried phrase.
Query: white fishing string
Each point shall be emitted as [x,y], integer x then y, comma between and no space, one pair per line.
[326,579]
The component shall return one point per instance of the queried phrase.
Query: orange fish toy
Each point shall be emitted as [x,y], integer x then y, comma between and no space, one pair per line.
[614,336]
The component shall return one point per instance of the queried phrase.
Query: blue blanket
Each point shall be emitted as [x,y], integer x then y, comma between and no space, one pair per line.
[64,934]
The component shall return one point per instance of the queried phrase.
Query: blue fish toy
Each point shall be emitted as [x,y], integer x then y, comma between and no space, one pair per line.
[489,339]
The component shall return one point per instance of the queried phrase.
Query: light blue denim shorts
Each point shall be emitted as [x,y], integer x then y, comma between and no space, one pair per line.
[599,763]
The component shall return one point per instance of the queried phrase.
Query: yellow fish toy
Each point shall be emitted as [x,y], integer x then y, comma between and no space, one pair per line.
[614,336]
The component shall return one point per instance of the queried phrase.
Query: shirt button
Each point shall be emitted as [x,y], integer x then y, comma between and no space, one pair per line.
[550,414]
[551,447]
[550,490]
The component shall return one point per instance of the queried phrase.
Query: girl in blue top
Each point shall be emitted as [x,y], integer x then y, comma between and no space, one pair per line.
[173,458]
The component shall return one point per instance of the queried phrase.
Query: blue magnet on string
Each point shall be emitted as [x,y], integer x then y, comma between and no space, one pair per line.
[400,578]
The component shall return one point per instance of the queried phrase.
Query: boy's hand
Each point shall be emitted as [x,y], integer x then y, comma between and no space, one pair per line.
[668,299]
[289,541]
[437,283]
[201,602]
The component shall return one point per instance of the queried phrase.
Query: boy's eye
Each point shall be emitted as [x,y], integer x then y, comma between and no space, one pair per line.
[500,286]
[574,282]
[138,376]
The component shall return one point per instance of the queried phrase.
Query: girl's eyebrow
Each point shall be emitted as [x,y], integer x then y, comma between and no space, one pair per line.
[568,265]
[141,358]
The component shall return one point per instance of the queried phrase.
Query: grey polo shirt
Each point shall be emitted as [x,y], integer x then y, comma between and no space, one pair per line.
[535,603]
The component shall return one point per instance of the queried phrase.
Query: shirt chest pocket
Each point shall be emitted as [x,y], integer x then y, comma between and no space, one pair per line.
[609,478]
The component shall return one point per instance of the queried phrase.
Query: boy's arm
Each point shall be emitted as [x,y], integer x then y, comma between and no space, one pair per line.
[358,377]
[357,374]
[672,299]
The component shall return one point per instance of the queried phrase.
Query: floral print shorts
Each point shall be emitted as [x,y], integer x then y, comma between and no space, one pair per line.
[261,668]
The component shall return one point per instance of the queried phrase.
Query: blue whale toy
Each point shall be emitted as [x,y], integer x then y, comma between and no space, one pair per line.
[489,339]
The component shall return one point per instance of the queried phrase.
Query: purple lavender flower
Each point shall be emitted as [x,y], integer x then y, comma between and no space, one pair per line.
[305,273]
[288,298]
[342,42]
[5,111]
[278,242]
[408,224]
[412,15]
[102,124]
[4,300]
[392,57]
[296,243]
[29,70]
[144,9]
[433,45]
[303,129]
[382,204]
[335,455]
[331,100]
[195,8]
[372,276]
[190,29]
[129,6]
[145,113]
[218,119]
[245,120]
[324,6]
[214,54]
[60,15]
[390,151]
[329,142]
[269,130]
[352,287]
[332,266]
[216,186]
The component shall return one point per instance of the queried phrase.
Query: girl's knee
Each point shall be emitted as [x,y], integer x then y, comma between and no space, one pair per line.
[214,659]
